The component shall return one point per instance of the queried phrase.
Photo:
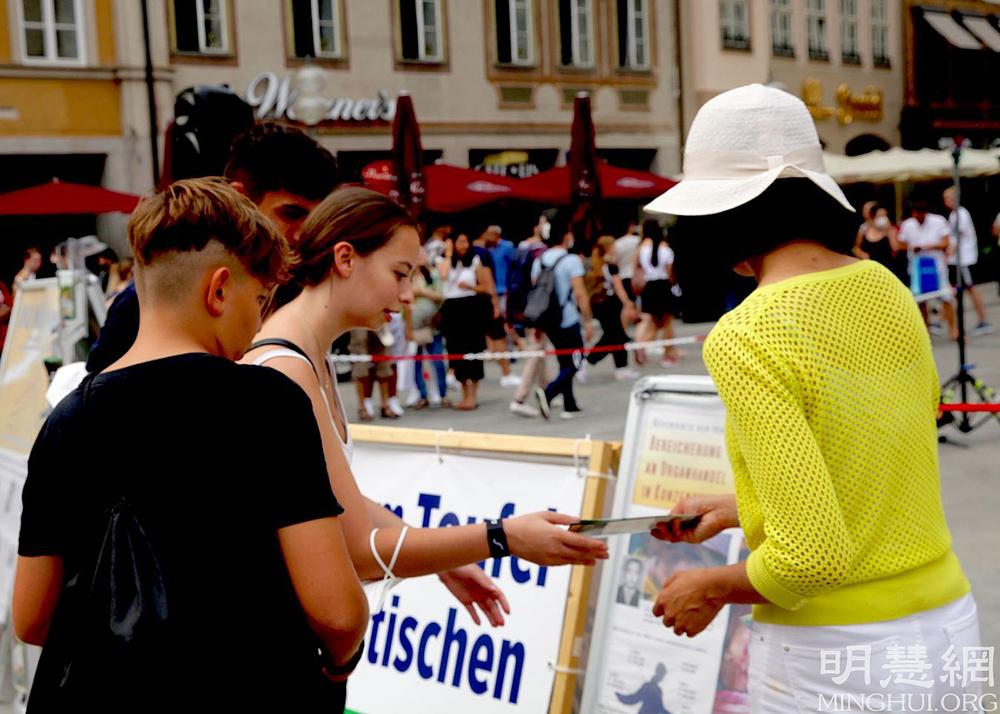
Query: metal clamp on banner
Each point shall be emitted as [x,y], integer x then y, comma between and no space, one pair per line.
[562,669]
[584,472]
[577,466]
[437,444]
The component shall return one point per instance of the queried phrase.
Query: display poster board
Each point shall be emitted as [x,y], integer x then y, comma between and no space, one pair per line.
[31,338]
[674,446]
[424,654]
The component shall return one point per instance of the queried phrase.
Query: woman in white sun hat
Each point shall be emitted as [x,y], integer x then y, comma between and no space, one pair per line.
[830,390]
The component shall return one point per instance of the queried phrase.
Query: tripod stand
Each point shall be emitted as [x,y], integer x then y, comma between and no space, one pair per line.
[964,379]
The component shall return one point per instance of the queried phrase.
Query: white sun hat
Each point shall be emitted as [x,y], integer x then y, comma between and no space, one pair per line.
[740,143]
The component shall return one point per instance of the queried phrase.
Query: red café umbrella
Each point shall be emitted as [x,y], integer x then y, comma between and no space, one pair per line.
[60,197]
[584,181]
[408,157]
[617,182]
[450,189]
[552,187]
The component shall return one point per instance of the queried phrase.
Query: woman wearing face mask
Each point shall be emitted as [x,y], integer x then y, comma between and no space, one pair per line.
[465,279]
[877,238]
[357,253]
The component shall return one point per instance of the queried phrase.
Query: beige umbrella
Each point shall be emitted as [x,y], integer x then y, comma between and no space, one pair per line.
[899,165]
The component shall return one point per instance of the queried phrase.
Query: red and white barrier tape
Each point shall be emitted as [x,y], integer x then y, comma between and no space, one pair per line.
[994,408]
[520,354]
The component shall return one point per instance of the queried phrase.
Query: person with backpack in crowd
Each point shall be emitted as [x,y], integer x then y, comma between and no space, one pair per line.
[558,305]
[612,307]
[535,372]
[223,532]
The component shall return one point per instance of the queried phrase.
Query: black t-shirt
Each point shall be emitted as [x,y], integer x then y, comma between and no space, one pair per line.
[214,458]
[119,332]
[486,259]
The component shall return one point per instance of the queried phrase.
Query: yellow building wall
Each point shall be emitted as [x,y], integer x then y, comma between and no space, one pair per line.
[4,35]
[105,33]
[104,21]
[61,107]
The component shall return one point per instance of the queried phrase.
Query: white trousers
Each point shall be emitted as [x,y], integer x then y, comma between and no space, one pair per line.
[930,661]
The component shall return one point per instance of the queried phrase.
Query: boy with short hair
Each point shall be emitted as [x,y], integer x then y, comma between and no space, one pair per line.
[283,171]
[241,574]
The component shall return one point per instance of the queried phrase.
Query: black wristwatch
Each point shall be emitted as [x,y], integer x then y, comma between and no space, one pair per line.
[496,538]
[341,670]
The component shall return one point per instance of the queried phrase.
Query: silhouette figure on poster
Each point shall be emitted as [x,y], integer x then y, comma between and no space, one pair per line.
[649,695]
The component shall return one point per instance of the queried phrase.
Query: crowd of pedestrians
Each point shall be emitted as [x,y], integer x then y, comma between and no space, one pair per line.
[471,293]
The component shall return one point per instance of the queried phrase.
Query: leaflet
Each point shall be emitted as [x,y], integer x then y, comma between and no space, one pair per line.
[625,526]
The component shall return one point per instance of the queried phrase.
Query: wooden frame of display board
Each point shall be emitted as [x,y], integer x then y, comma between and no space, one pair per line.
[600,458]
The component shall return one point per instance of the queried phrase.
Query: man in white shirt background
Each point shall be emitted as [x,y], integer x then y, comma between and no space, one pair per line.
[624,254]
[965,255]
[924,234]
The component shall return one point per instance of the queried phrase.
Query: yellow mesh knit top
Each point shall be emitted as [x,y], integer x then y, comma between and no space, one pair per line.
[830,391]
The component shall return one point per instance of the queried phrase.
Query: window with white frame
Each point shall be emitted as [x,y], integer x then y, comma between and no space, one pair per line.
[734,18]
[849,49]
[816,29]
[316,28]
[52,31]
[514,32]
[880,33]
[576,33]
[201,27]
[421,30]
[633,34]
[781,28]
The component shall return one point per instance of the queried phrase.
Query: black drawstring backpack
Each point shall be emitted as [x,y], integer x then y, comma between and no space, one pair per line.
[107,637]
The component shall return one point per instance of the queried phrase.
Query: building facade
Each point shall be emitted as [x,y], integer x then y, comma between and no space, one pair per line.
[952,83]
[64,111]
[486,76]
[842,57]
[493,81]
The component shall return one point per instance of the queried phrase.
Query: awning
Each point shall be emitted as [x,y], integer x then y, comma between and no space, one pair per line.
[898,165]
[450,189]
[553,186]
[981,28]
[64,198]
[950,30]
